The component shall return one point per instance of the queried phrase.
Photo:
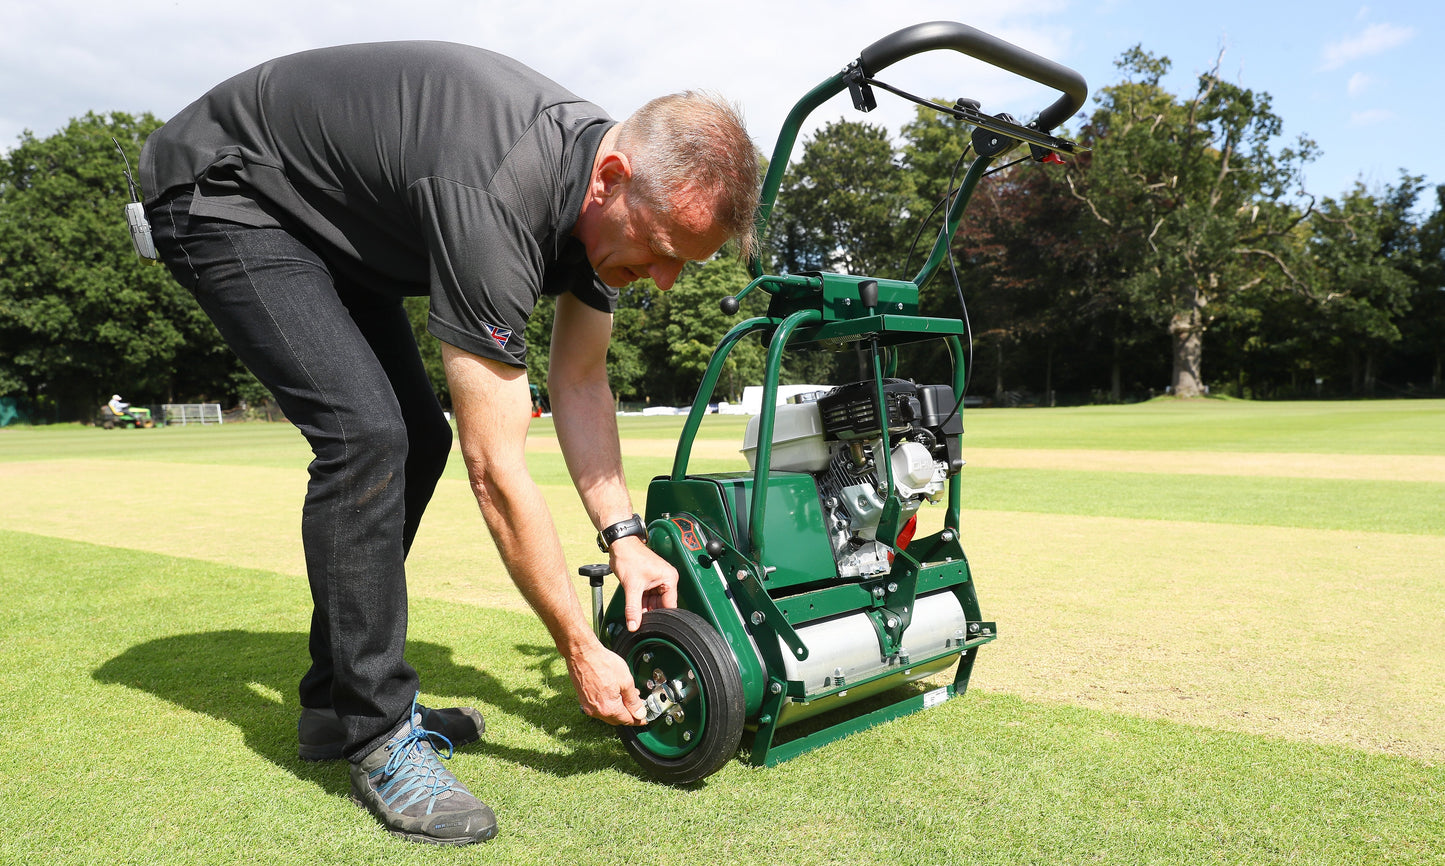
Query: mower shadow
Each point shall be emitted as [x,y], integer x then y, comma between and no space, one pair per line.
[248,679]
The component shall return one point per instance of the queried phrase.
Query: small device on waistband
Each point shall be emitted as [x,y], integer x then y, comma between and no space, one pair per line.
[135,216]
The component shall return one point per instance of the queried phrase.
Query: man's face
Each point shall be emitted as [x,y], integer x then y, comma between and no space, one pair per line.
[632,242]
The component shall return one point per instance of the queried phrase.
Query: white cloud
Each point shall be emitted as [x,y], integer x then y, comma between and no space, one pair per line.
[1374,39]
[158,55]
[1371,117]
[1358,84]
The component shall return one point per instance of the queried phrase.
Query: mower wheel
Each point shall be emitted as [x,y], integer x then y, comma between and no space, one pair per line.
[705,735]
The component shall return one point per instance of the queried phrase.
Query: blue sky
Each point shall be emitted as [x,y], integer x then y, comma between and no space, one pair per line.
[1362,80]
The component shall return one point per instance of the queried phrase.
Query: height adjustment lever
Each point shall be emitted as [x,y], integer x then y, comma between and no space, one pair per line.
[859,89]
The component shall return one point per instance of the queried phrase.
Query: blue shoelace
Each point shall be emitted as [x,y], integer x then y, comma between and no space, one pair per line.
[413,772]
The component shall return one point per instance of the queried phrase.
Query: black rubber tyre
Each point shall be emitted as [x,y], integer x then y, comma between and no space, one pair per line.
[684,646]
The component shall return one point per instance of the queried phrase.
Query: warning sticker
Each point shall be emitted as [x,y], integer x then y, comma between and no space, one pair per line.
[689,533]
[935,697]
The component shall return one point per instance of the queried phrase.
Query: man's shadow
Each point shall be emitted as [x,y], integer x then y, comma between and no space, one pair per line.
[249,679]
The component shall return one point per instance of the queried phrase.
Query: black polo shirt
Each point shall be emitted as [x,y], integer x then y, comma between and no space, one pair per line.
[412,167]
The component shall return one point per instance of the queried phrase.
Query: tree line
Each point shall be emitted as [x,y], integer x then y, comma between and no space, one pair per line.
[1182,254]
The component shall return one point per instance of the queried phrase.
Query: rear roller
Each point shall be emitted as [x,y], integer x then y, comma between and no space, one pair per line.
[694,694]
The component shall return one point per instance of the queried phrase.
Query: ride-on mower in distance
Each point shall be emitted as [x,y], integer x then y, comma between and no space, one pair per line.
[802,590]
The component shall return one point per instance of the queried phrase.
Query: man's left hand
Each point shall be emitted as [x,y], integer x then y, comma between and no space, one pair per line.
[648,581]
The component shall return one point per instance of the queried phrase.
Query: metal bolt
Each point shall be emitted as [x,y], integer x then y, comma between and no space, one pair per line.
[646,658]
[690,674]
[668,720]
[742,575]
[877,592]
[651,685]
[946,535]
[757,618]
[775,688]
[687,736]
[892,622]
[892,587]
[900,306]
[973,628]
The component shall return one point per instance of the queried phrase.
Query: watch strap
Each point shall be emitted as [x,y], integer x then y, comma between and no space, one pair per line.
[621,529]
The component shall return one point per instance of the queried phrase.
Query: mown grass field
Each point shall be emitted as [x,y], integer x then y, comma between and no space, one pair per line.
[1221,642]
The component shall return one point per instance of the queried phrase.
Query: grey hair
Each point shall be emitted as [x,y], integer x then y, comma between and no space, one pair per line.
[695,141]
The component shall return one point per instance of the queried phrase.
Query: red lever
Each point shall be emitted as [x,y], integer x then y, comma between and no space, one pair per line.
[906,534]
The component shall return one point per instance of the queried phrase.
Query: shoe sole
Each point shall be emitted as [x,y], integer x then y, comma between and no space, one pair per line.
[481,836]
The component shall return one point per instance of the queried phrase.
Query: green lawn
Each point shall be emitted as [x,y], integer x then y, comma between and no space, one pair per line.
[1193,668]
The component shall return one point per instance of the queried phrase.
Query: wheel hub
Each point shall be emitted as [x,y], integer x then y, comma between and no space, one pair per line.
[669,684]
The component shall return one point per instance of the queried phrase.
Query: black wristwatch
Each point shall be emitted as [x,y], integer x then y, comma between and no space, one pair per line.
[621,529]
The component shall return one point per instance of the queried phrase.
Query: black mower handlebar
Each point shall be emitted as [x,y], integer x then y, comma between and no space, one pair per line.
[935,35]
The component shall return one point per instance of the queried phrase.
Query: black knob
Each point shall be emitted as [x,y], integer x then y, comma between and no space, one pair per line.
[595,572]
[729,305]
[868,293]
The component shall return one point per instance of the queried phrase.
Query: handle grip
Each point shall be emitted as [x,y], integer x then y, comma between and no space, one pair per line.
[934,35]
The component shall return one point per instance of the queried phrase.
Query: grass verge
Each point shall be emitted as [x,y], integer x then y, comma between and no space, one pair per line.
[158,726]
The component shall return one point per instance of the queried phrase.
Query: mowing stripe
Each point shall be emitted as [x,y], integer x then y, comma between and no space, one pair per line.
[178,678]
[1320,635]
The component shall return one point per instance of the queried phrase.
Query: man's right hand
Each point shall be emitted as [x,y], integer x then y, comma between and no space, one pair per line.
[604,686]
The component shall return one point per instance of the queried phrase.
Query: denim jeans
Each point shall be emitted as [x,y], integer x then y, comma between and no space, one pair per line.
[342,363]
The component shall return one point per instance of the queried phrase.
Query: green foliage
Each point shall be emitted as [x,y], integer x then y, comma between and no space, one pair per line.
[662,340]
[417,309]
[1423,331]
[1362,252]
[1183,235]
[1195,194]
[844,205]
[80,315]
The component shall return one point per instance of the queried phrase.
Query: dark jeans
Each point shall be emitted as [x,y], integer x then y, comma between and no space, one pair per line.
[343,365]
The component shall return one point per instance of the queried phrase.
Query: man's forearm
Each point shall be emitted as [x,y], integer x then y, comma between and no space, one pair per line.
[586,425]
[490,402]
[521,525]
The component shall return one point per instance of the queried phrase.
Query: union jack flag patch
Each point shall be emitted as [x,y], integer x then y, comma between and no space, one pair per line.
[501,335]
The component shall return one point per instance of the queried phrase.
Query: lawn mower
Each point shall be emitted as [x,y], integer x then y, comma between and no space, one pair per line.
[807,610]
[132,417]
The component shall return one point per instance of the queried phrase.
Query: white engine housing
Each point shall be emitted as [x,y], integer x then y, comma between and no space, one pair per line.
[849,481]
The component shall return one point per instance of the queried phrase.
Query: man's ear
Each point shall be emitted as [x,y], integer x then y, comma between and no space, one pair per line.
[613,170]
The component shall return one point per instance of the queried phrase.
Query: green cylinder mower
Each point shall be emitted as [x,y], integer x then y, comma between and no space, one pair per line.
[802,590]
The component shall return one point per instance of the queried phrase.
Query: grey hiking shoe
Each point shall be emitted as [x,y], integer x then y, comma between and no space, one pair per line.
[404,784]
[323,738]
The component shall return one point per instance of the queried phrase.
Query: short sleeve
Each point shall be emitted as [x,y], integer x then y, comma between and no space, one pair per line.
[486,270]
[573,273]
